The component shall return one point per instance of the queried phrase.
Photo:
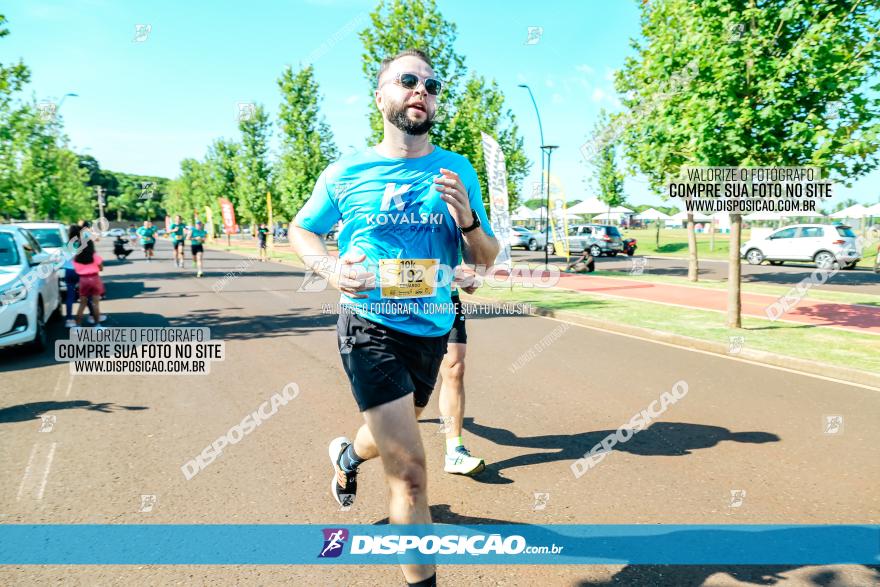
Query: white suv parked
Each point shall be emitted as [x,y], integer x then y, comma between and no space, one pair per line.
[829,246]
[28,289]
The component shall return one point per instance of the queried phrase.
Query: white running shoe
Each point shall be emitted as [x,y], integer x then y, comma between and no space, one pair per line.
[70,323]
[461,462]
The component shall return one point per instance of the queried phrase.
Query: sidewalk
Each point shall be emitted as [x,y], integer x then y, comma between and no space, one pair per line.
[853,317]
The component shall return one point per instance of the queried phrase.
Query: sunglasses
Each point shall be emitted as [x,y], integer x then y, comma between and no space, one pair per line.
[410,81]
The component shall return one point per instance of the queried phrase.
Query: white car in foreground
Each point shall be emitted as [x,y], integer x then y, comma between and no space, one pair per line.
[826,245]
[29,294]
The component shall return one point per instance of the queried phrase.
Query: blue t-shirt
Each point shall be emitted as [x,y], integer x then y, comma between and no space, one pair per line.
[391,209]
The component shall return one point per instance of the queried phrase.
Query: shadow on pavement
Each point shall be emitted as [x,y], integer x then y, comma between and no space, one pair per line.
[696,575]
[659,439]
[661,575]
[224,326]
[33,410]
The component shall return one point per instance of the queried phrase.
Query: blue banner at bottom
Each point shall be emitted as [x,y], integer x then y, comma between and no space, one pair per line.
[155,544]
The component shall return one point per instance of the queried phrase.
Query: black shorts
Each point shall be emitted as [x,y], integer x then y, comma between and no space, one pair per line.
[178,243]
[262,244]
[383,364]
[197,249]
[148,246]
[458,334]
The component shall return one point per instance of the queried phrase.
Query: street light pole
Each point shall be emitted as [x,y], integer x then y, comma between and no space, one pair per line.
[541,132]
[63,98]
[549,149]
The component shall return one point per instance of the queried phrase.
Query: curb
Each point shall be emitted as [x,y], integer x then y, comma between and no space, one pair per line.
[716,348]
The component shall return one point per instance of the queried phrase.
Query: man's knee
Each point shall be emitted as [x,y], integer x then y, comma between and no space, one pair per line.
[453,370]
[411,475]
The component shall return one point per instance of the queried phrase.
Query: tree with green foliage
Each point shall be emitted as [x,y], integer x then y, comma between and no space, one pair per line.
[480,107]
[465,107]
[40,177]
[607,177]
[774,83]
[254,179]
[306,141]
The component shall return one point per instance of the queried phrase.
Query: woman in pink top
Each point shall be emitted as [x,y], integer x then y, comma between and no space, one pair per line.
[88,265]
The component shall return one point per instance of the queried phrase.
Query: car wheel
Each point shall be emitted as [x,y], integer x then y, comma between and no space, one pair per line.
[755,257]
[630,252]
[595,251]
[825,260]
[41,339]
[533,245]
[776,262]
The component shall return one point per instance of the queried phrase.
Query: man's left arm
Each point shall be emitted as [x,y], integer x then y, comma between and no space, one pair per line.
[479,246]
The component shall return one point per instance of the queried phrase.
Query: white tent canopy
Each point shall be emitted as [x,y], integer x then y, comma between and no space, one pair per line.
[652,214]
[698,217]
[525,213]
[606,216]
[873,210]
[855,211]
[589,206]
[621,210]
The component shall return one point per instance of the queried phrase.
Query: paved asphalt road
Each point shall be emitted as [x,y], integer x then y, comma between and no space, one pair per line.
[860,280]
[115,438]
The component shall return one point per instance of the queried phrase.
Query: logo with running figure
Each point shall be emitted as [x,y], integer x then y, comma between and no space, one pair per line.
[334,540]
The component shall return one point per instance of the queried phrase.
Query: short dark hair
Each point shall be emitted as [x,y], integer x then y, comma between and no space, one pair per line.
[386,63]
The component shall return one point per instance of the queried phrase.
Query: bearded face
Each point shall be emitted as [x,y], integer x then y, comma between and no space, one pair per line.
[411,115]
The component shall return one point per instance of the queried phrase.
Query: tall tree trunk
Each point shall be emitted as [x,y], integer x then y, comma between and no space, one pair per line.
[693,267]
[657,235]
[712,234]
[734,274]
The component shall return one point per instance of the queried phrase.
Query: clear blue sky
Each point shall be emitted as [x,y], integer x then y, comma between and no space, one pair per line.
[144,106]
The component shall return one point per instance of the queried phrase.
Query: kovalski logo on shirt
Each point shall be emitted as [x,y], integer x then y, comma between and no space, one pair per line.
[393,209]
[393,193]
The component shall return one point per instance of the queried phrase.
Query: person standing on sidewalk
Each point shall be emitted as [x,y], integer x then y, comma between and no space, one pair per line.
[407,208]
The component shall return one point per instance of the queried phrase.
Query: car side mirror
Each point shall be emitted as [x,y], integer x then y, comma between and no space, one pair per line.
[39,259]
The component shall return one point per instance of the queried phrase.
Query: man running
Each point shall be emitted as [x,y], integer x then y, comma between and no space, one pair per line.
[147,235]
[177,230]
[406,206]
[458,458]
[262,235]
[197,235]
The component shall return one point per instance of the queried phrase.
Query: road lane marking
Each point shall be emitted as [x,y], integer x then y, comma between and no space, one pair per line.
[69,385]
[58,384]
[27,472]
[46,472]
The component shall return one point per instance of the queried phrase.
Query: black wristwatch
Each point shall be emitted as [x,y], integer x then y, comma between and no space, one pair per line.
[473,226]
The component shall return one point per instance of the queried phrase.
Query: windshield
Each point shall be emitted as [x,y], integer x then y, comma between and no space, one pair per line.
[47,237]
[846,231]
[8,250]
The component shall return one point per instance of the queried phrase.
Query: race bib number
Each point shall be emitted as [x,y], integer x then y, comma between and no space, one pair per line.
[407,278]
